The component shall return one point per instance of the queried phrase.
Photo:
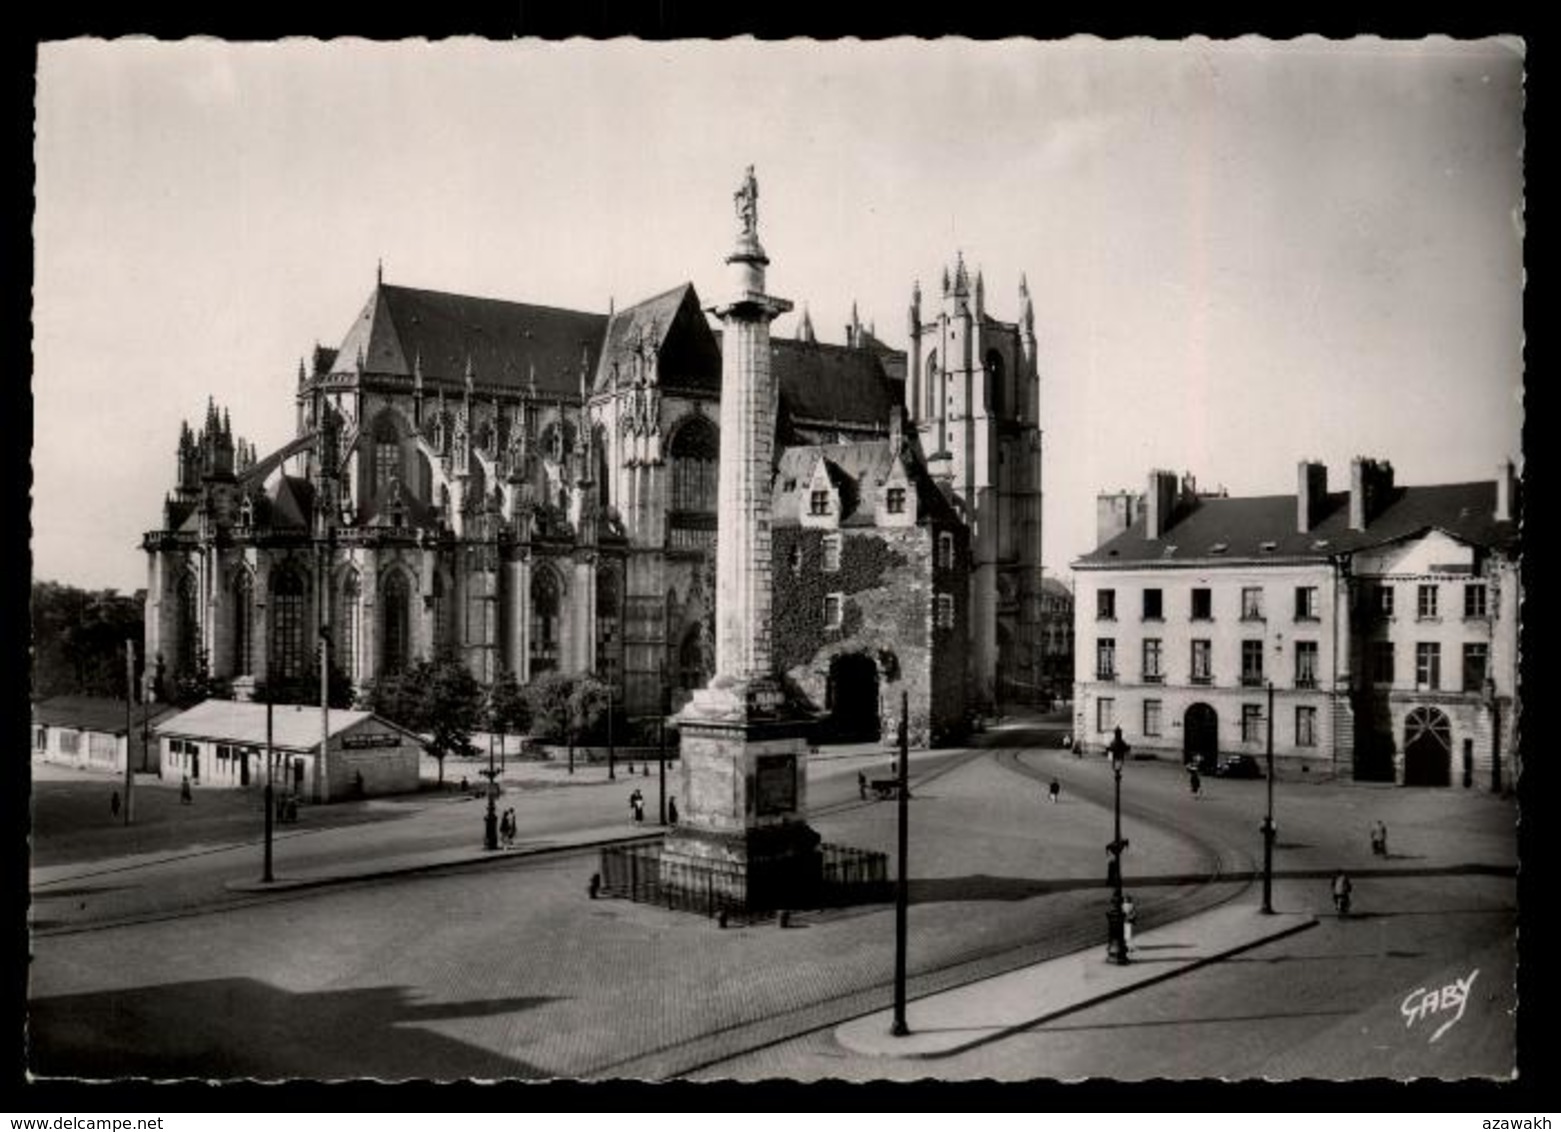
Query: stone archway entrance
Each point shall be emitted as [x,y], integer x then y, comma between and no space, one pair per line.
[1201,737]
[852,699]
[1428,748]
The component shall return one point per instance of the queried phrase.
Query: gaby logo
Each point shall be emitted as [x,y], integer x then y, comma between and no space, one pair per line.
[1421,1003]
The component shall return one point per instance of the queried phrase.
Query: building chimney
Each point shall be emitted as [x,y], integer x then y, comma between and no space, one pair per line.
[1311,494]
[1114,513]
[1506,489]
[1159,504]
[1371,485]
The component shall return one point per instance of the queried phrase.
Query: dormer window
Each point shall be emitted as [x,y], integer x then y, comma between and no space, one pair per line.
[818,502]
[894,500]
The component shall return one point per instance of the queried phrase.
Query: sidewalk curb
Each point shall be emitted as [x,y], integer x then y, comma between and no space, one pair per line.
[1062,1011]
[283,884]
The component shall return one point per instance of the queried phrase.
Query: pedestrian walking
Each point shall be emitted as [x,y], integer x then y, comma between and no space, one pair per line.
[185,797]
[861,784]
[1341,892]
[1194,782]
[113,804]
[508,829]
[672,810]
[1054,791]
[1129,915]
[637,804]
[1379,839]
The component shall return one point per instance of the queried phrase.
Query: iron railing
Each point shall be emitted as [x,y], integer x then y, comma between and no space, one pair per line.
[641,873]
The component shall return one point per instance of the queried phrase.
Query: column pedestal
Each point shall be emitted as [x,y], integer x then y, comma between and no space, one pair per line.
[743,837]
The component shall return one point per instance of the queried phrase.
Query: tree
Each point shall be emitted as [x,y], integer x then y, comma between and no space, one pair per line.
[508,711]
[588,701]
[191,688]
[78,639]
[548,697]
[453,702]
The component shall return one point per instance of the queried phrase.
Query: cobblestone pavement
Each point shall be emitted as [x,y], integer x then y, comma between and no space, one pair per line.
[509,971]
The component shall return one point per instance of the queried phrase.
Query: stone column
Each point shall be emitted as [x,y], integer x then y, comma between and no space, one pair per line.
[743,774]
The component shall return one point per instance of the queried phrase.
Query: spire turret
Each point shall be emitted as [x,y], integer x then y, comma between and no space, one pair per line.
[980,295]
[805,327]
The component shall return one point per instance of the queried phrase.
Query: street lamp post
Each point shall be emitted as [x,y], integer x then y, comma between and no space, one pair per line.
[1268,819]
[611,750]
[661,741]
[898,1028]
[1116,936]
[490,820]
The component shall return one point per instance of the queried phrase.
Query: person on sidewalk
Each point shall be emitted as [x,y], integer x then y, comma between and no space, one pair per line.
[672,810]
[861,784]
[1129,914]
[1054,791]
[1379,839]
[1341,892]
[113,804]
[1194,782]
[185,797]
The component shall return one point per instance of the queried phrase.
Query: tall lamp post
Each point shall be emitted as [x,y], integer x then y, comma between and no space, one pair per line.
[1116,937]
[661,741]
[490,820]
[1268,818]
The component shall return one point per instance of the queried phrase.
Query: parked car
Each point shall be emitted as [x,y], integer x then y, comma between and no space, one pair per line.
[1239,766]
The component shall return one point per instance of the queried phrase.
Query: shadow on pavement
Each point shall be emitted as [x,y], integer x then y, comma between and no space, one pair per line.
[180,1030]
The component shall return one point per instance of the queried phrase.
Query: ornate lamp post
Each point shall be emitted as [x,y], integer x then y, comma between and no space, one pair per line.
[1116,938]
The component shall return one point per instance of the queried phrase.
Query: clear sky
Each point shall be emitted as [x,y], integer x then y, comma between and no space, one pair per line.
[1241,254]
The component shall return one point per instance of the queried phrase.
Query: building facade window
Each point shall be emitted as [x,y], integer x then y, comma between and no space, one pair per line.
[1106,658]
[1202,662]
[439,609]
[1154,672]
[1251,723]
[894,500]
[1252,603]
[1474,599]
[1382,602]
[1306,606]
[945,550]
[1105,714]
[395,601]
[243,624]
[945,611]
[831,553]
[1428,665]
[1202,604]
[1306,727]
[287,625]
[1151,717]
[1476,663]
[1306,664]
[1154,604]
[186,656]
[1106,605]
[1382,662]
[387,463]
[1425,606]
[818,502]
[545,602]
[696,472]
[1251,663]
[833,610]
[609,641]
[347,628]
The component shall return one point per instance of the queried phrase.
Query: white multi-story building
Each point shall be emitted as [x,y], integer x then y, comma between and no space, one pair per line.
[1382,623]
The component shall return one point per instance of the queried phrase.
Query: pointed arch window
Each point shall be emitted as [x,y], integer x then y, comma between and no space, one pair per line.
[544,620]
[243,624]
[348,622]
[387,453]
[287,624]
[440,608]
[189,621]
[609,636]
[696,467]
[395,601]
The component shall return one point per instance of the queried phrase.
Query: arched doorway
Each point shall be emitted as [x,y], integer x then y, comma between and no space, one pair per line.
[852,699]
[1428,748]
[1201,736]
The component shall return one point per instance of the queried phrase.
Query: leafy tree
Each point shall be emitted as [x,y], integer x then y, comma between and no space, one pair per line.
[199,685]
[588,701]
[453,702]
[508,711]
[78,639]
[548,697]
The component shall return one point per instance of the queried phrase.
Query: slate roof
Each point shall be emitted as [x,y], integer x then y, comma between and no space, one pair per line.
[856,470]
[505,341]
[822,382]
[1464,510]
[291,503]
[95,713]
[688,354]
[294,726]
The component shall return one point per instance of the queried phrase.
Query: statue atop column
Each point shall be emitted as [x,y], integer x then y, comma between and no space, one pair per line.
[747,198]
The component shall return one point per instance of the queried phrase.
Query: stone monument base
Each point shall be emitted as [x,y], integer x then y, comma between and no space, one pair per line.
[743,832]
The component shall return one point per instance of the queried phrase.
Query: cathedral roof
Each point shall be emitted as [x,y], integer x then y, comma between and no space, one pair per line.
[505,342]
[292,502]
[687,353]
[823,383]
